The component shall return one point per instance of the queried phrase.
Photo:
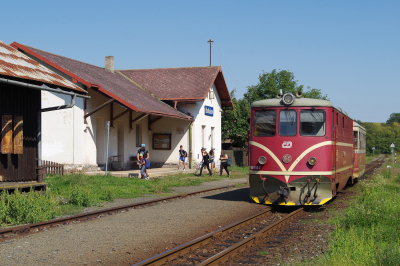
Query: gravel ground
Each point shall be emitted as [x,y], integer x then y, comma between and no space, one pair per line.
[132,236]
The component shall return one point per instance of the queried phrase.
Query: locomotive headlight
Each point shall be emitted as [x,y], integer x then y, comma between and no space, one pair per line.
[312,161]
[262,160]
[288,98]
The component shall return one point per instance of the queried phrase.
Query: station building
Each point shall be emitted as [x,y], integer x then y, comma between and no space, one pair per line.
[162,108]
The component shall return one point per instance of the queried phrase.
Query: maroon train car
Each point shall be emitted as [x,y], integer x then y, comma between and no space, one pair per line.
[360,148]
[301,151]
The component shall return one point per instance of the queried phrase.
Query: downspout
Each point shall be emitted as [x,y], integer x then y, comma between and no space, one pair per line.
[190,145]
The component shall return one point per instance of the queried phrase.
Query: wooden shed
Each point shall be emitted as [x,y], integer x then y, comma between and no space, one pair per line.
[21,82]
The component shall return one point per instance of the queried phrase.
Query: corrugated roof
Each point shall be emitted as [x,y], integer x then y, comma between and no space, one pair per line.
[181,83]
[112,84]
[15,64]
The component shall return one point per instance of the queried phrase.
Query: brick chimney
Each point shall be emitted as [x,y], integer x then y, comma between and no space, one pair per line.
[110,63]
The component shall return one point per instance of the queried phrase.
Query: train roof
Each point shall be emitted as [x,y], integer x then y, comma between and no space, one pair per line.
[355,124]
[298,102]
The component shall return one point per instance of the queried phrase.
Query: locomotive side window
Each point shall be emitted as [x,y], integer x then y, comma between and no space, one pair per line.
[264,123]
[287,123]
[312,123]
[356,139]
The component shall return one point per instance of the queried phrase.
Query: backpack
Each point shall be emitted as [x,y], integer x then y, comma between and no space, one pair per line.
[147,163]
[229,162]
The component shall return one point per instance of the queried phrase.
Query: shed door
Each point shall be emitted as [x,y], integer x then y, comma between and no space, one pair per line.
[6,134]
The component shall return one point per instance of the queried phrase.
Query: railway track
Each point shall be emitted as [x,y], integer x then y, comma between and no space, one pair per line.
[228,245]
[17,231]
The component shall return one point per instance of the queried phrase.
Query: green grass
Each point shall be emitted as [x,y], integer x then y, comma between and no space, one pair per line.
[78,190]
[69,194]
[369,231]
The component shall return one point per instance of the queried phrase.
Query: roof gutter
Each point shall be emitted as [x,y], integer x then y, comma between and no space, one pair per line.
[43,88]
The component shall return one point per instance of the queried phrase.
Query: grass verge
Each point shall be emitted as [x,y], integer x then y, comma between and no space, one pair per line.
[69,194]
[369,231]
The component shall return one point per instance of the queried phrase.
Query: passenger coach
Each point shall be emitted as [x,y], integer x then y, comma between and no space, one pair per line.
[360,142]
[301,151]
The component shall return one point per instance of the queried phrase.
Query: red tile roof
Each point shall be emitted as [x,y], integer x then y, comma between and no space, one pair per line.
[113,85]
[15,64]
[182,83]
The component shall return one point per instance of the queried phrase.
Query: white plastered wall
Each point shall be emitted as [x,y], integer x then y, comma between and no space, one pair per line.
[198,110]
[62,139]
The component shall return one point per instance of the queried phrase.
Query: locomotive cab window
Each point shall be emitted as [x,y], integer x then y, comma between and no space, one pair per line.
[312,123]
[264,123]
[287,123]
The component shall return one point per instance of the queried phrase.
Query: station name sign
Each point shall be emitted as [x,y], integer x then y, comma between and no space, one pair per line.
[209,110]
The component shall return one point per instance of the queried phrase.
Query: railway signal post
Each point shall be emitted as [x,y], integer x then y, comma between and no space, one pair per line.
[373,151]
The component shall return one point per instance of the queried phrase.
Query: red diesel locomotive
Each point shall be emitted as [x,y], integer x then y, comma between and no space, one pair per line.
[301,151]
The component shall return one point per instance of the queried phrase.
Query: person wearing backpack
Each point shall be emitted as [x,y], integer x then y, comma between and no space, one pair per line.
[225,162]
[145,154]
[182,157]
[143,163]
[205,161]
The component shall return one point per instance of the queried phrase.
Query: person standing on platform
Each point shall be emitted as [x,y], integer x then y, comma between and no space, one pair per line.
[206,161]
[145,154]
[182,157]
[212,157]
[142,167]
[224,162]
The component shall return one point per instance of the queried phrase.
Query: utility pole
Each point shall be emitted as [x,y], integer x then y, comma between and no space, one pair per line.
[210,41]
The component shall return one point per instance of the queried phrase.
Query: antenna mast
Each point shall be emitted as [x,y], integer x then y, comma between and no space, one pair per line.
[210,41]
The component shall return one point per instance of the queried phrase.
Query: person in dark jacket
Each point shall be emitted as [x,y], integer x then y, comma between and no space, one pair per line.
[206,161]
[224,163]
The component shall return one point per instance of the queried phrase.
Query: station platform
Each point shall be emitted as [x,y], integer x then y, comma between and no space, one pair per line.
[22,186]
[153,172]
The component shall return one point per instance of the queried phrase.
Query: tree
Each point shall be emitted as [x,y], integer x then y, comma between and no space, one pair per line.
[394,117]
[270,84]
[234,122]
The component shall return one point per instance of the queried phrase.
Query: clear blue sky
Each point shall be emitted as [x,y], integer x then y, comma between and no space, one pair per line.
[348,49]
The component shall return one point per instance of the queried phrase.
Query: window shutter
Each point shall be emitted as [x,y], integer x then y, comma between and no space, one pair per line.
[6,134]
[18,134]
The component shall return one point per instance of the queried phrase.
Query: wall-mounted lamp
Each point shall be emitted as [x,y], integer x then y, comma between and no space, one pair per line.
[212,94]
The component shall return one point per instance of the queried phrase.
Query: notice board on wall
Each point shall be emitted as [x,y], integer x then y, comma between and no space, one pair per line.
[161,141]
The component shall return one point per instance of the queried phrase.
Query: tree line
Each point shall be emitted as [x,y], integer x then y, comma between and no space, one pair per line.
[381,135]
[235,126]
[234,122]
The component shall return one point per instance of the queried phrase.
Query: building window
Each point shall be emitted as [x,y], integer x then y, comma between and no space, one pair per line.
[138,135]
[212,138]
[203,136]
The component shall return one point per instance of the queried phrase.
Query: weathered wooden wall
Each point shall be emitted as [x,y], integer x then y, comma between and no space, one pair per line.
[19,101]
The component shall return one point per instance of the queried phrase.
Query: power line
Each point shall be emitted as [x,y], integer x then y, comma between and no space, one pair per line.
[230,70]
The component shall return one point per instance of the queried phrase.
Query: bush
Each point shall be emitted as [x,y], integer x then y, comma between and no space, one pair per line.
[34,207]
[80,197]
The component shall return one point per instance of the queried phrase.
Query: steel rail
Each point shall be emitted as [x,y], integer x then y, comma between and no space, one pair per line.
[236,249]
[29,228]
[173,253]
